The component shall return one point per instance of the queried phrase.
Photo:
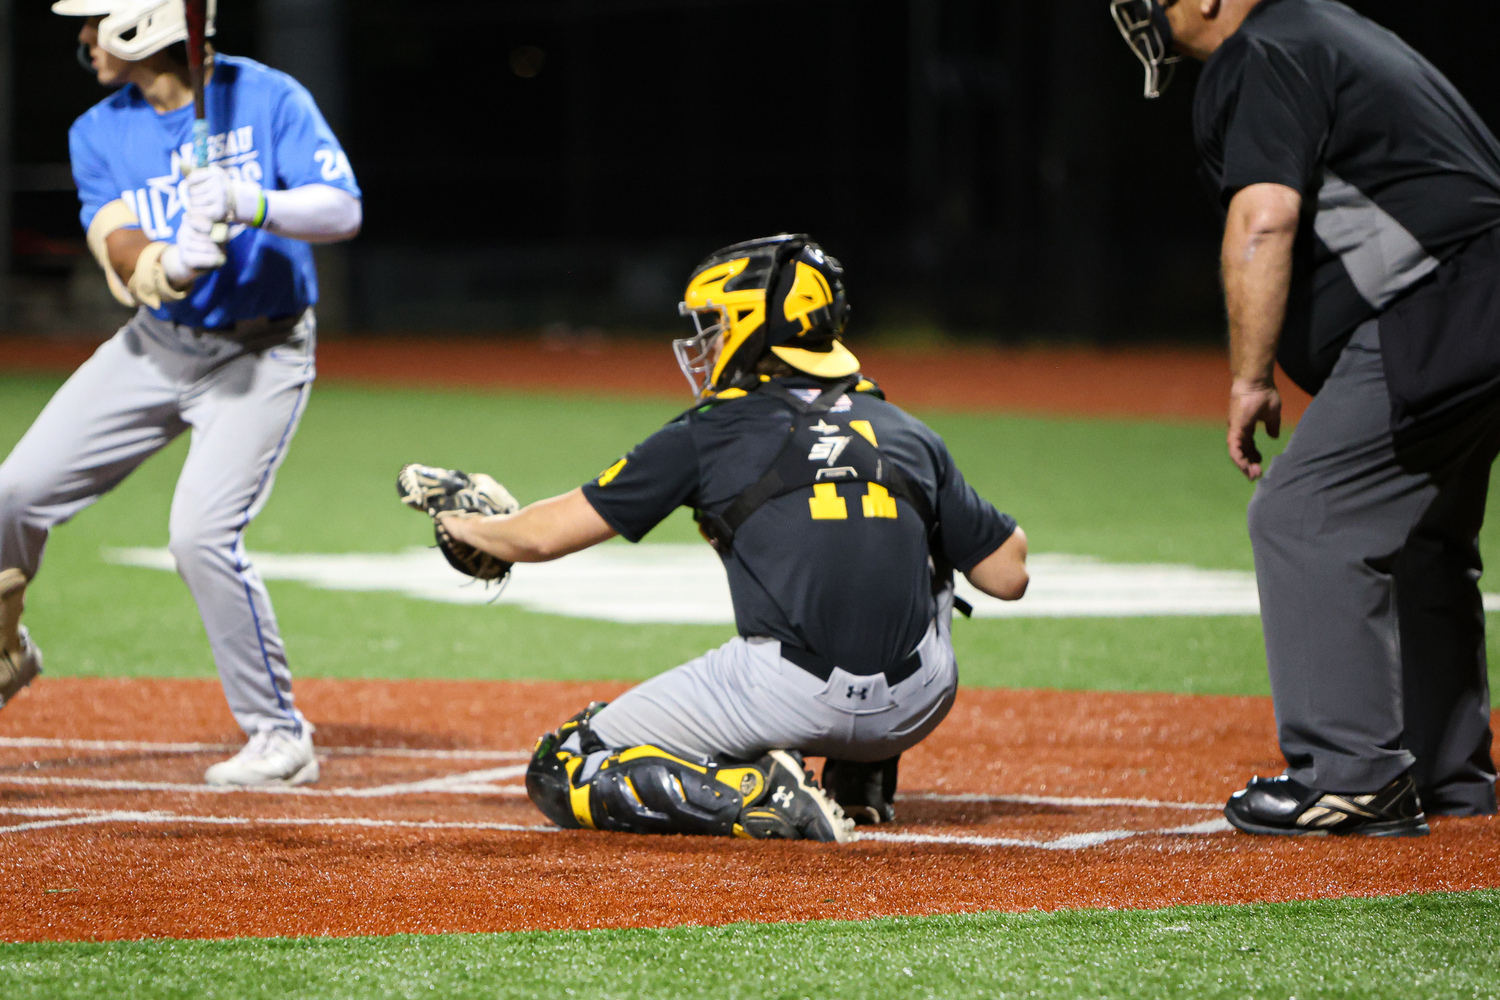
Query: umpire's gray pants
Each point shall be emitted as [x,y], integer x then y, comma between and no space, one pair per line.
[742,699]
[1368,571]
[141,389]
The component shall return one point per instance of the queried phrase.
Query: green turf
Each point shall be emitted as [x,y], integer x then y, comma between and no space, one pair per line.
[1120,490]
[1432,947]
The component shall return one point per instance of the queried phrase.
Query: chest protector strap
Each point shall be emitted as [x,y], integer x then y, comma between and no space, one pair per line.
[814,452]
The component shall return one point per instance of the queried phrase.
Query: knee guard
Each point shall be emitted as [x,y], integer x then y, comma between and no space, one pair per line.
[578,783]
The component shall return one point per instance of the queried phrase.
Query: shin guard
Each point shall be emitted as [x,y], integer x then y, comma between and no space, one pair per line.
[577,783]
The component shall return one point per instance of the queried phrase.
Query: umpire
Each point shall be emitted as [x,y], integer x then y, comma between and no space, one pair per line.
[1361,249]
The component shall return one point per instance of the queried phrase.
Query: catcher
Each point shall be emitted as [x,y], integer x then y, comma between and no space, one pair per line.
[839,520]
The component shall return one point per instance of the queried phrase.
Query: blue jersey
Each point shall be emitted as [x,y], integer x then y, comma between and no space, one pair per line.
[264,127]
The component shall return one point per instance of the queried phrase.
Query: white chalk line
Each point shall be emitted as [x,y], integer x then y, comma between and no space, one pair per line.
[481,782]
[100,816]
[476,783]
[1050,800]
[1070,842]
[95,817]
[463,783]
[131,746]
[54,818]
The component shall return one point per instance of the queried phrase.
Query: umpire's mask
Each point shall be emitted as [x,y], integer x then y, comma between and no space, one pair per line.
[1149,34]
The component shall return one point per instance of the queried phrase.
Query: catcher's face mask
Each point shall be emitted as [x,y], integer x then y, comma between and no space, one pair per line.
[698,355]
[1149,34]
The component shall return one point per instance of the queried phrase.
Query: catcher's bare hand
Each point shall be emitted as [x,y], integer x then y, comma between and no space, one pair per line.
[1251,403]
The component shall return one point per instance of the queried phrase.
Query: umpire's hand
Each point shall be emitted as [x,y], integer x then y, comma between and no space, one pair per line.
[1251,403]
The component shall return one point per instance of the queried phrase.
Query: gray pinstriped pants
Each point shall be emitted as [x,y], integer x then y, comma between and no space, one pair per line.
[1368,571]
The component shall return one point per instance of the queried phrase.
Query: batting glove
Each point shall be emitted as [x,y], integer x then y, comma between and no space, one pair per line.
[194,254]
[212,193]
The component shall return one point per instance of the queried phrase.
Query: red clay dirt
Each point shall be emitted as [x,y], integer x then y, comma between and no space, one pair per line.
[1014,794]
[1163,383]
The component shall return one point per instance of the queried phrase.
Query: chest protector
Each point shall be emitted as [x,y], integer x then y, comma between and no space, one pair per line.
[815,452]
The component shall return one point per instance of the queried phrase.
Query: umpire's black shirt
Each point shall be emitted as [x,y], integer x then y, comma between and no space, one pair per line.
[855,589]
[1396,171]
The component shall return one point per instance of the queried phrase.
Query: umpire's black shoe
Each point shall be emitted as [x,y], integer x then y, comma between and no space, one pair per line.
[791,806]
[1289,808]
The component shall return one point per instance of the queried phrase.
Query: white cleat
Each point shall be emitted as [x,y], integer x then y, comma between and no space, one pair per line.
[19,669]
[272,757]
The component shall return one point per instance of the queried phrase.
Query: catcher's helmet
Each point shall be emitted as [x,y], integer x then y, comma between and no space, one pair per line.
[781,295]
[135,29]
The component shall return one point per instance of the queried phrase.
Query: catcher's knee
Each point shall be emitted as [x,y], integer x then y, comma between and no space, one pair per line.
[576,782]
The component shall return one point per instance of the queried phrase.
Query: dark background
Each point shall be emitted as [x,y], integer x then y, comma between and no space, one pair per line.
[985,168]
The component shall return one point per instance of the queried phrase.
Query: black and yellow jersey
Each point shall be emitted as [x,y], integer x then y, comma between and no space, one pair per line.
[839,564]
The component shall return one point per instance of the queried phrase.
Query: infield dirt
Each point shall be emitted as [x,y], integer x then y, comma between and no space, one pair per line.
[1021,799]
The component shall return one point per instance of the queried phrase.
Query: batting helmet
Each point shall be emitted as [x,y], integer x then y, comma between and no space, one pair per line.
[135,29]
[781,295]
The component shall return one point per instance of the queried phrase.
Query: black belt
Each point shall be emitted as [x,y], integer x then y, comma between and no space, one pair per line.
[822,668]
[255,325]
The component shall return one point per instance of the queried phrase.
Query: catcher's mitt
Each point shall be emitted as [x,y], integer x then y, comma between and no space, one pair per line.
[433,491]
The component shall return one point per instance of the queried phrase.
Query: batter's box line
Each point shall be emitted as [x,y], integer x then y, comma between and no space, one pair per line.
[462,783]
[478,783]
[1054,800]
[97,817]
[132,746]
[81,817]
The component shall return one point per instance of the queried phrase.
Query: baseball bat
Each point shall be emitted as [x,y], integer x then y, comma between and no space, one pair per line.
[196,14]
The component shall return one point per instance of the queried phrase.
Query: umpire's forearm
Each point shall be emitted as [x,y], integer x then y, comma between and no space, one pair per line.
[1257,270]
[546,530]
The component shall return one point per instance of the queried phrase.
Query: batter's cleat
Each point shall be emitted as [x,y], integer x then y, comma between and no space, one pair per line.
[18,669]
[793,807]
[1284,807]
[866,791]
[272,757]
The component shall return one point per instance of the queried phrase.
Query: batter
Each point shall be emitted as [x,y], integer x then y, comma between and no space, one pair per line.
[221,343]
[839,520]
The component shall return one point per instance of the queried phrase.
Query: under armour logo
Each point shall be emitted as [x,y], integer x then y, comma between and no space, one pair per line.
[783,797]
[824,428]
[862,692]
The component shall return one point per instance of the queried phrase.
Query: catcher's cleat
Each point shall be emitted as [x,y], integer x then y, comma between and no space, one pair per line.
[18,668]
[272,757]
[793,806]
[1285,807]
[865,791]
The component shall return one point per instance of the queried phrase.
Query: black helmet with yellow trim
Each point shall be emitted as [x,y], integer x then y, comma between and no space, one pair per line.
[779,295]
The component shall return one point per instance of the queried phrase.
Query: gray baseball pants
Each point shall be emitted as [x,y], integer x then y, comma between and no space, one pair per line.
[1368,568]
[743,699]
[153,380]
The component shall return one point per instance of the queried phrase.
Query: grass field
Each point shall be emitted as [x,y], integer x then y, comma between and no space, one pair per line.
[1430,947]
[1122,491]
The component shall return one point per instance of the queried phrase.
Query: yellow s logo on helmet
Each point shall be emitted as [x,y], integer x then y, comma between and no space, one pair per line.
[810,293]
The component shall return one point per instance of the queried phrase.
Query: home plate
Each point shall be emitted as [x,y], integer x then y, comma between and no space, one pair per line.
[685,584]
